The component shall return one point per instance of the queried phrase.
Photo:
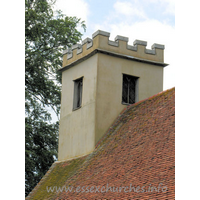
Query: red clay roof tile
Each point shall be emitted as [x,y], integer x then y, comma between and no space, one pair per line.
[137,151]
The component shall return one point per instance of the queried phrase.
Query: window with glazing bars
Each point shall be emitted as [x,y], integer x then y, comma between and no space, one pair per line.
[78,85]
[129,89]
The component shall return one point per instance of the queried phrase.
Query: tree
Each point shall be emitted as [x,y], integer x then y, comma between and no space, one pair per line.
[46,36]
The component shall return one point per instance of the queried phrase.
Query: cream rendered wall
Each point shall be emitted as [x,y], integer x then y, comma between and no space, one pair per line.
[101,62]
[77,128]
[109,87]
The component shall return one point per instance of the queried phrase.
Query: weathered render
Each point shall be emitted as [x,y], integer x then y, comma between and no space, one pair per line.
[101,63]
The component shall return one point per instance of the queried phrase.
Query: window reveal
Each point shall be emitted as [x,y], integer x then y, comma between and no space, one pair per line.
[129,89]
[78,85]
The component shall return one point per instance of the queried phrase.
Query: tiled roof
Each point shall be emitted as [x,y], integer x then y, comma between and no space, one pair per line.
[137,151]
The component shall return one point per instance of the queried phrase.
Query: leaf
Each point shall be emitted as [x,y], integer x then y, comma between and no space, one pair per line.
[47,34]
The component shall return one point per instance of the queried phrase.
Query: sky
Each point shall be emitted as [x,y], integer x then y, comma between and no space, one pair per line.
[149,20]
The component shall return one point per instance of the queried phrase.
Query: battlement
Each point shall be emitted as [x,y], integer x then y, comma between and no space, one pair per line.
[100,41]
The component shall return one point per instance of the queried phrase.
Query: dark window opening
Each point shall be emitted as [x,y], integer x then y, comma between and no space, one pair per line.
[129,89]
[78,85]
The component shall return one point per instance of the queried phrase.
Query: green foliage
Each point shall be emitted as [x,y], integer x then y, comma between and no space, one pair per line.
[46,36]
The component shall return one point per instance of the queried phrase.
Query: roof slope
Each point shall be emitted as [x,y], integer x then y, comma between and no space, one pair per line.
[137,151]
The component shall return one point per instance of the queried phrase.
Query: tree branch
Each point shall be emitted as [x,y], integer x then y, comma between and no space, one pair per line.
[48,104]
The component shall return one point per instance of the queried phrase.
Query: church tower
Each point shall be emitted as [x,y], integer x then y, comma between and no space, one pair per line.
[100,78]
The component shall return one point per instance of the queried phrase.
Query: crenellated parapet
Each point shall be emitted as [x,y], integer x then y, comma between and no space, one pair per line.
[100,42]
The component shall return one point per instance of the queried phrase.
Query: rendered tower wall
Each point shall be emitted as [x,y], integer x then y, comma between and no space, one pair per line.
[102,63]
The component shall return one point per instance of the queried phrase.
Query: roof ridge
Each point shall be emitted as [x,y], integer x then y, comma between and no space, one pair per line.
[151,97]
[136,148]
[126,109]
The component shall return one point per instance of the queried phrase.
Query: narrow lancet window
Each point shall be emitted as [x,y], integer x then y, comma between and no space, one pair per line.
[78,85]
[129,89]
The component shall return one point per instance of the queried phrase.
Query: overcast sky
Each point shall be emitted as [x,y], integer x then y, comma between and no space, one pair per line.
[149,20]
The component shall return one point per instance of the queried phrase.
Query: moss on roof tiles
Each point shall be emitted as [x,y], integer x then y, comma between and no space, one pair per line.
[138,149]
[56,176]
